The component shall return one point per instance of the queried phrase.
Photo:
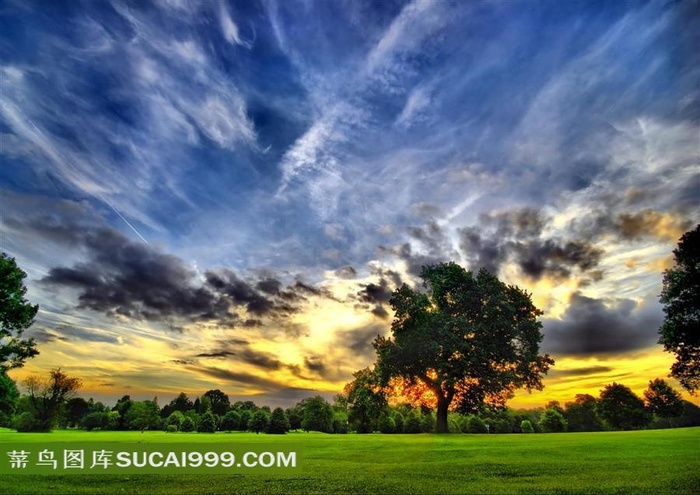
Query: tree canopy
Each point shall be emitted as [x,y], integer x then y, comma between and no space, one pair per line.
[16,315]
[680,331]
[471,339]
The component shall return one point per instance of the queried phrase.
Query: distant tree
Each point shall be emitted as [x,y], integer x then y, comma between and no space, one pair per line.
[188,424]
[279,424]
[175,419]
[122,407]
[581,414]
[76,408]
[220,402]
[259,421]
[662,400]
[340,422]
[180,403]
[552,421]
[95,421]
[208,423]
[16,315]
[295,415]
[468,338]
[680,331]
[526,426]
[248,405]
[143,415]
[554,404]
[622,409]
[246,418]
[47,396]
[231,421]
[9,396]
[318,414]
[690,416]
[366,400]
[202,405]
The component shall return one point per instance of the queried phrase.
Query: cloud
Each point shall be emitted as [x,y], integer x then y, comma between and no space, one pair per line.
[600,327]
[518,236]
[584,371]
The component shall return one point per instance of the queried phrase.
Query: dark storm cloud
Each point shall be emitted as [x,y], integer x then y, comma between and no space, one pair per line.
[44,336]
[632,225]
[215,354]
[346,272]
[585,371]
[239,378]
[359,340]
[133,279]
[375,296]
[517,235]
[315,364]
[589,327]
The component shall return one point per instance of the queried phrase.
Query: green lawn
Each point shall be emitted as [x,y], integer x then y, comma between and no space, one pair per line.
[654,461]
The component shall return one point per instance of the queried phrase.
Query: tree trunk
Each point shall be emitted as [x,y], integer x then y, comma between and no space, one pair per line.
[442,405]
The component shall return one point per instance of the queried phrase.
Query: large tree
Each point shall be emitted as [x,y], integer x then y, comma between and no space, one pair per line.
[663,400]
[469,339]
[16,315]
[220,403]
[622,409]
[680,331]
[47,396]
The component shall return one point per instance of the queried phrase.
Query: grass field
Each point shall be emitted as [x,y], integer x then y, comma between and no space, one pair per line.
[653,461]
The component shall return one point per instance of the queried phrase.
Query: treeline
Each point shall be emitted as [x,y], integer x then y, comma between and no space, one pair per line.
[52,403]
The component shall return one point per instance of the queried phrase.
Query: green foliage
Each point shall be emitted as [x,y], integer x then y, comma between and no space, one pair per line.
[95,421]
[366,400]
[231,421]
[175,419]
[279,424]
[680,331]
[412,423]
[317,415]
[171,429]
[662,400]
[143,415]
[9,395]
[188,424]
[208,423]
[386,424]
[219,401]
[122,407]
[427,423]
[295,415]
[76,408]
[526,426]
[399,422]
[552,421]
[582,415]
[340,422]
[620,408]
[48,395]
[476,425]
[29,422]
[460,337]
[259,422]
[16,315]
[180,403]
[246,418]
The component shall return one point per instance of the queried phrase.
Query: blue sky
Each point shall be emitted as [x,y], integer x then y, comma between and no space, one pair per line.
[222,194]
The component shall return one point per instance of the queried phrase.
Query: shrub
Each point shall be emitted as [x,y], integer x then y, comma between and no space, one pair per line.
[171,429]
[386,424]
[340,422]
[476,425]
[187,424]
[208,423]
[412,424]
[526,426]
[552,421]
[427,423]
[231,421]
[399,422]
[279,424]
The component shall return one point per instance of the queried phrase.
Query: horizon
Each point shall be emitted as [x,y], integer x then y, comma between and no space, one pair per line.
[223,195]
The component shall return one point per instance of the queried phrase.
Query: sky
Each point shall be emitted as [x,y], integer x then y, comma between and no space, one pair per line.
[207,194]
